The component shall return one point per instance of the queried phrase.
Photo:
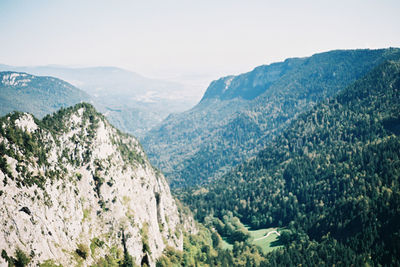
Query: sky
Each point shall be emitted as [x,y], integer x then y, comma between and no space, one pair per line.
[187,38]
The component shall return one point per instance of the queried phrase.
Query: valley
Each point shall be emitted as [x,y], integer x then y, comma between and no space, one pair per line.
[293,163]
[199,133]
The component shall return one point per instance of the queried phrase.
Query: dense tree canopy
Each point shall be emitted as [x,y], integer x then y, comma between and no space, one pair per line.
[238,115]
[332,178]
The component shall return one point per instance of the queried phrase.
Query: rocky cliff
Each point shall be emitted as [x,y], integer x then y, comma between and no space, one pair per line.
[76,191]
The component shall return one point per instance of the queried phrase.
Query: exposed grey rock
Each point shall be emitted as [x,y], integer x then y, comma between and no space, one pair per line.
[94,193]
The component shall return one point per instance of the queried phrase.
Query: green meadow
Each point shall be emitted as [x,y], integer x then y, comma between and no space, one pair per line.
[259,238]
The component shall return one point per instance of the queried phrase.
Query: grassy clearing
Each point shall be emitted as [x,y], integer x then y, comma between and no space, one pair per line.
[267,244]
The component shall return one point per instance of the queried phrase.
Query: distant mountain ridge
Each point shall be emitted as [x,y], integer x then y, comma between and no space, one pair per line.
[102,79]
[238,114]
[252,84]
[36,94]
[132,102]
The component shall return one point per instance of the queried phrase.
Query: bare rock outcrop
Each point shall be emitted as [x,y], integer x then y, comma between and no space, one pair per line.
[75,190]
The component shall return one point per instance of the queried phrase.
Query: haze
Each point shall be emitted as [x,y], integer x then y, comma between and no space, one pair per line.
[177,40]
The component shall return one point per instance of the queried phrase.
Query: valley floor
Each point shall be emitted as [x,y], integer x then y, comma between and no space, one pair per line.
[266,239]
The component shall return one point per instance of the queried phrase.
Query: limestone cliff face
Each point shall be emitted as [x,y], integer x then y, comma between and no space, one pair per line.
[75,190]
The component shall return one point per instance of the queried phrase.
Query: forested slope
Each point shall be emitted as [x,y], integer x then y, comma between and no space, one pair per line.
[239,114]
[331,178]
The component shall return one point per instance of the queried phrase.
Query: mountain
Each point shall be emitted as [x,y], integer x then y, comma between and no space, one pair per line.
[239,114]
[76,191]
[36,95]
[131,102]
[331,178]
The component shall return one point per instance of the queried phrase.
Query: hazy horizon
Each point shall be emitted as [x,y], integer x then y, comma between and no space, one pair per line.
[178,40]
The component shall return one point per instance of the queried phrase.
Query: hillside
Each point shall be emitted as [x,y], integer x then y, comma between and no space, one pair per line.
[239,114]
[331,178]
[76,191]
[35,94]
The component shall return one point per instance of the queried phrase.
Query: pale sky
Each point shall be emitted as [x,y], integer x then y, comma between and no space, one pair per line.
[166,38]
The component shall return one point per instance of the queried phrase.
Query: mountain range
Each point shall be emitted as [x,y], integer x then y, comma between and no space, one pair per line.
[132,102]
[239,114]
